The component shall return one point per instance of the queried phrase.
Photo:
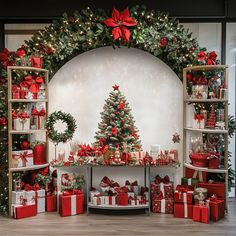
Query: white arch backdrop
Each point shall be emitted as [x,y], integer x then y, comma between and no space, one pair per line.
[150,86]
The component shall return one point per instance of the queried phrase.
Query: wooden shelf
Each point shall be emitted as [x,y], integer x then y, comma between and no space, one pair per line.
[190,166]
[34,167]
[214,131]
[32,131]
[205,100]
[26,68]
[207,67]
[28,100]
[116,207]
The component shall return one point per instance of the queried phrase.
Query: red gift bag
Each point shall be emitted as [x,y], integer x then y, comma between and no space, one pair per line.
[20,211]
[51,203]
[39,154]
[122,199]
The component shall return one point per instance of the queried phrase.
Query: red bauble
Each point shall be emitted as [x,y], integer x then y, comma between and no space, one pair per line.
[189,76]
[201,56]
[163,42]
[3,121]
[25,145]
[20,52]
[213,55]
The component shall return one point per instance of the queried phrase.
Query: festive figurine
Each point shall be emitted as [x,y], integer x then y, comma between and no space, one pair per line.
[176,138]
[211,122]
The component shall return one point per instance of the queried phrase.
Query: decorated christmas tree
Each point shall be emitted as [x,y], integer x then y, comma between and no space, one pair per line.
[117,129]
[211,122]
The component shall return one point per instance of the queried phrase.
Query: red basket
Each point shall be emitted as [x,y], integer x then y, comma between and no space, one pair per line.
[199,159]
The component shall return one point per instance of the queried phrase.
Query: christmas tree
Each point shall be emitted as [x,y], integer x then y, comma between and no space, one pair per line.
[211,122]
[117,129]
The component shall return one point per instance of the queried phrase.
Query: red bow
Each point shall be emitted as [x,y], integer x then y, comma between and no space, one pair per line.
[121,190]
[119,21]
[35,187]
[164,180]
[199,117]
[84,150]
[135,183]
[143,190]
[71,192]
[33,84]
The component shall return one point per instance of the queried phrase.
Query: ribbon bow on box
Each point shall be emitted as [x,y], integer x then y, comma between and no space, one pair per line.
[165,180]
[33,83]
[35,187]
[23,156]
[71,192]
[84,150]
[37,114]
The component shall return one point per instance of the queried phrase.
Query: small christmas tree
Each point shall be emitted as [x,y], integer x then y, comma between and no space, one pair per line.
[117,129]
[211,122]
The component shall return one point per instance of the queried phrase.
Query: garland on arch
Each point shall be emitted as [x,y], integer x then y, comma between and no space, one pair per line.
[148,30]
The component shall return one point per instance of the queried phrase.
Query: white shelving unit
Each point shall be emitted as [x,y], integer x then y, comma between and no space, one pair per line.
[11,132]
[187,129]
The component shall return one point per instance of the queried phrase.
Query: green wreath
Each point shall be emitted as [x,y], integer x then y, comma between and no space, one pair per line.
[53,134]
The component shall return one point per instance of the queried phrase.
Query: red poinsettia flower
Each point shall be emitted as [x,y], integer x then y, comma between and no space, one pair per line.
[163,42]
[119,21]
[3,121]
[114,131]
[201,56]
[20,52]
[101,141]
[213,55]
[209,61]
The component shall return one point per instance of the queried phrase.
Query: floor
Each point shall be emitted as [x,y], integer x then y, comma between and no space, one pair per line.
[101,224]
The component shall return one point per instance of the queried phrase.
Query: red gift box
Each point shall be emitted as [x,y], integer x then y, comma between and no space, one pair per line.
[162,205]
[201,213]
[217,188]
[183,195]
[166,189]
[122,199]
[183,210]
[39,152]
[217,209]
[51,203]
[20,211]
[15,91]
[71,204]
[36,62]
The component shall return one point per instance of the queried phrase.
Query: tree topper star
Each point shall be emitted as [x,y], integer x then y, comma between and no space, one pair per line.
[116,87]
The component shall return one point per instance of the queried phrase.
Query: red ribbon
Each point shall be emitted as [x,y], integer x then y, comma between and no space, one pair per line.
[199,117]
[37,113]
[164,180]
[33,84]
[71,192]
[35,187]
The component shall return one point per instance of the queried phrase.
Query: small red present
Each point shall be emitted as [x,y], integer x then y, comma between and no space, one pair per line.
[162,205]
[217,209]
[183,210]
[21,211]
[183,194]
[15,91]
[217,188]
[71,204]
[122,199]
[201,213]
[51,203]
[36,62]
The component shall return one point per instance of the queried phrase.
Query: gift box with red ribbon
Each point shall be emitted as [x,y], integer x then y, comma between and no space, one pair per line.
[189,182]
[51,202]
[39,152]
[199,121]
[41,200]
[30,197]
[36,62]
[162,205]
[39,118]
[217,209]
[162,185]
[183,194]
[23,211]
[71,204]
[201,213]
[18,197]
[33,84]
[122,199]
[217,188]
[21,121]
[22,158]
[183,210]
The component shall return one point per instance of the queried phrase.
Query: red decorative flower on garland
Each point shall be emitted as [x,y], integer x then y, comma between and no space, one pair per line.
[114,131]
[163,42]
[201,56]
[119,21]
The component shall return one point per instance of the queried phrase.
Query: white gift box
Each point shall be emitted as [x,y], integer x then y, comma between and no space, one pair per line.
[96,200]
[41,200]
[21,124]
[18,197]
[30,197]
[106,200]
[131,194]
[22,158]
[199,124]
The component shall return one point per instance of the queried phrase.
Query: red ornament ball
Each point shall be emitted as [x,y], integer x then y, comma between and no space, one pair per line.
[25,145]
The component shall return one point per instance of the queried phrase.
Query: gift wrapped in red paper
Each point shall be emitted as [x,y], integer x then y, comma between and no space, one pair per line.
[23,211]
[217,209]
[217,188]
[183,210]
[71,203]
[51,202]
[15,91]
[122,199]
[183,194]
[36,62]
[201,213]
[161,205]
[166,187]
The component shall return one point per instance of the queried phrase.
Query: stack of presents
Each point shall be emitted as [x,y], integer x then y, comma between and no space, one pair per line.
[112,193]
[200,201]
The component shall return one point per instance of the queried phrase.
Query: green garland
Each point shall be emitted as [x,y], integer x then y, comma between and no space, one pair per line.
[53,134]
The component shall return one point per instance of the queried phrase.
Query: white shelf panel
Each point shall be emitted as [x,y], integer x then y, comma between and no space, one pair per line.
[32,131]
[215,131]
[116,207]
[26,68]
[28,100]
[34,167]
[205,100]
[190,166]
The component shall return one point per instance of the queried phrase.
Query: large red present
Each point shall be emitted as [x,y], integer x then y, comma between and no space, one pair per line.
[51,203]
[183,210]
[122,199]
[217,188]
[23,211]
[217,209]
[162,205]
[201,213]
[183,194]
[70,205]
[39,152]
[162,185]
